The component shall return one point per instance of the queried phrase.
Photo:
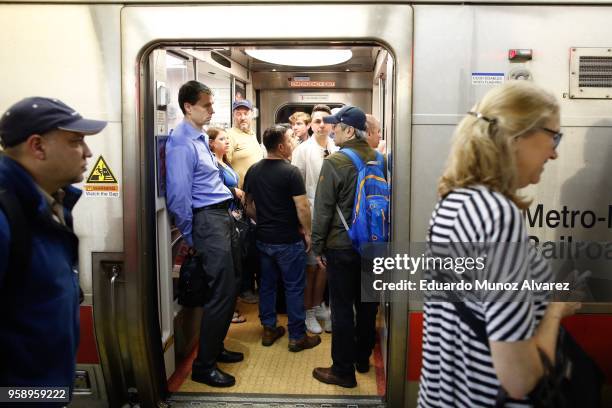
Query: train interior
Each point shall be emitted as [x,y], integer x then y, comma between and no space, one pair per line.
[277,89]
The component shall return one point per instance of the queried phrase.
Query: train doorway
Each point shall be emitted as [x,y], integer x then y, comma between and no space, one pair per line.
[274,101]
[168,331]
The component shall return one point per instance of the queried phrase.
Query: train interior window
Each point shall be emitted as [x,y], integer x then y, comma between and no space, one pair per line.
[276,90]
[284,112]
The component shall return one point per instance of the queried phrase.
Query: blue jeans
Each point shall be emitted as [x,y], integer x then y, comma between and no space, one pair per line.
[289,261]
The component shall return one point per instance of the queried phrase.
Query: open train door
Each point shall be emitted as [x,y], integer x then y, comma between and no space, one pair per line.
[145,29]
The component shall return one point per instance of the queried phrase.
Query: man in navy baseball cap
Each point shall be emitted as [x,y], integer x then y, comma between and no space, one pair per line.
[244,103]
[44,153]
[243,152]
[354,335]
[38,115]
[349,115]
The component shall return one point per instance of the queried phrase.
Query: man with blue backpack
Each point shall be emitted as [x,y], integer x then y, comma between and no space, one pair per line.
[351,212]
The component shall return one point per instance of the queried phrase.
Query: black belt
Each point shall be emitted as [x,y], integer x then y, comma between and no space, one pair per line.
[223,205]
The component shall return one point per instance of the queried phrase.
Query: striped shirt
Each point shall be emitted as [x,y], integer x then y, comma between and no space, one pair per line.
[457,368]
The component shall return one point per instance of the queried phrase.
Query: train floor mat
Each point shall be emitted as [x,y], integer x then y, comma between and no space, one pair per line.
[275,370]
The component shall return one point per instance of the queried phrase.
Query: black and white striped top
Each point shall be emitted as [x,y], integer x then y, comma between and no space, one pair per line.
[457,369]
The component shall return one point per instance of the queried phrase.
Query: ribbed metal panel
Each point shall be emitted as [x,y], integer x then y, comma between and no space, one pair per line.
[595,72]
[590,73]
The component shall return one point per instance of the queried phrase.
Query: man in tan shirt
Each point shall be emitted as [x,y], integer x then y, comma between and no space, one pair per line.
[244,150]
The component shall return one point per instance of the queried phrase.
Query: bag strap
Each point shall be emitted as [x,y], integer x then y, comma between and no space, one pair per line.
[346,227]
[357,162]
[381,161]
[468,317]
[19,246]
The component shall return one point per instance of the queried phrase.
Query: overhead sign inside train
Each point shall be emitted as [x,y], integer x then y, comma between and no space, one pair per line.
[312,84]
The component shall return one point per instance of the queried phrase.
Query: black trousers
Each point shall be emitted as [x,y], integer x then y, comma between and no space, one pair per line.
[217,243]
[354,334]
[251,271]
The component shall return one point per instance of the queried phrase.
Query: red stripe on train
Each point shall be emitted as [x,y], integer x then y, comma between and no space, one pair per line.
[415,345]
[88,351]
[592,331]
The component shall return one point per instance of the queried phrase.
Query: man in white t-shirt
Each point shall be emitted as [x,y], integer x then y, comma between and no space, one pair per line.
[308,158]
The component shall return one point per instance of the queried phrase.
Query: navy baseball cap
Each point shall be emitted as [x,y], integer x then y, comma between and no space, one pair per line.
[350,115]
[38,115]
[242,103]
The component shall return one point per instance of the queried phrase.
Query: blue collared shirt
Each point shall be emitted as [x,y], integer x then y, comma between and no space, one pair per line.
[193,179]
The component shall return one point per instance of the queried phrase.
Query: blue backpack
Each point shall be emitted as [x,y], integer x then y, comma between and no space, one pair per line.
[370,218]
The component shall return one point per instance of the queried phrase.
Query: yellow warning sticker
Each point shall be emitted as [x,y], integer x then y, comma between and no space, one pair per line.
[101,173]
[101,181]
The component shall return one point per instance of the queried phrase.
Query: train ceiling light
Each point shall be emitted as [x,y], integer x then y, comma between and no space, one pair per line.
[301,58]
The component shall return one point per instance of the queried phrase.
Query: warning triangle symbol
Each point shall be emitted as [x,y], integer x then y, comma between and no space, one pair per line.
[101,173]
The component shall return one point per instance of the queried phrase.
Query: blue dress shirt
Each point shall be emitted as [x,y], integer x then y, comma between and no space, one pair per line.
[193,179]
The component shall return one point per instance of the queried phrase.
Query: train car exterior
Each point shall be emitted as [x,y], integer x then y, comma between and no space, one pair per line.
[101,57]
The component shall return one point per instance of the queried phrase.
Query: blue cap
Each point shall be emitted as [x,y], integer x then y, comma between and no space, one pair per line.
[350,115]
[242,103]
[38,115]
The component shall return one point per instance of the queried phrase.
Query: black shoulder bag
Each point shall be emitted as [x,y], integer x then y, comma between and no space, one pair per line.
[574,381]
[192,282]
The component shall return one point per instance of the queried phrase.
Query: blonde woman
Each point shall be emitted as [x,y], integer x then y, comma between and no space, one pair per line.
[501,145]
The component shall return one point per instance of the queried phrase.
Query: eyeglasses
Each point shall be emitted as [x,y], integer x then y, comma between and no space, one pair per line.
[325,153]
[555,135]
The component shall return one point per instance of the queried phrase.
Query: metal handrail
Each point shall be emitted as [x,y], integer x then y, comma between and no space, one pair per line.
[116,269]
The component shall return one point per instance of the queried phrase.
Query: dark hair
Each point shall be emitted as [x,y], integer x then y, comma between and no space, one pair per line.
[321,108]
[287,126]
[213,133]
[190,93]
[273,136]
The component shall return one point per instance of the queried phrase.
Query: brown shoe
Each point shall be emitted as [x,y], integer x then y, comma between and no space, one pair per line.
[327,376]
[306,342]
[271,334]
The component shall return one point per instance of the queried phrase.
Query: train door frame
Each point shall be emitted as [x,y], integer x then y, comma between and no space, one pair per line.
[142,30]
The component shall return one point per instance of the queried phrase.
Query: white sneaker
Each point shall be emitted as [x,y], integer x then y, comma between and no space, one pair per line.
[321,312]
[312,325]
[324,315]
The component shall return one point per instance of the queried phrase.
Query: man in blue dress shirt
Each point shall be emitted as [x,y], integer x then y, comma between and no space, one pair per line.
[199,201]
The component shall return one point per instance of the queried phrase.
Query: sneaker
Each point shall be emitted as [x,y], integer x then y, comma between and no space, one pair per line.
[324,315]
[327,376]
[271,334]
[321,311]
[306,342]
[327,325]
[312,325]
[248,296]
